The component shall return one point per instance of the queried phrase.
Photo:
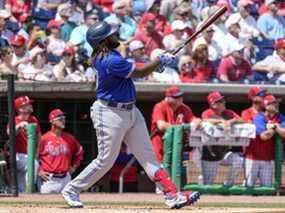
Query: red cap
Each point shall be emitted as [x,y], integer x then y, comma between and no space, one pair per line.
[18,40]
[256,91]
[21,101]
[69,50]
[214,97]
[280,43]
[269,99]
[147,17]
[54,23]
[173,91]
[55,114]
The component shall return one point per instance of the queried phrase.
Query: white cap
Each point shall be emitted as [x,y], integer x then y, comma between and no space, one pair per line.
[135,45]
[4,14]
[118,4]
[235,48]
[35,51]
[178,25]
[233,19]
[268,2]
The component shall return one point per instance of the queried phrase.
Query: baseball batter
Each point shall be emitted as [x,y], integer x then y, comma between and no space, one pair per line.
[116,119]
[24,109]
[60,154]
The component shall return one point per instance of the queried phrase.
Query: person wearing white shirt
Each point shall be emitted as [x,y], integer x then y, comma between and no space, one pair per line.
[214,50]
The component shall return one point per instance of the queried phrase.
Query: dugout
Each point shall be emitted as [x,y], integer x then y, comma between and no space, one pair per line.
[76,98]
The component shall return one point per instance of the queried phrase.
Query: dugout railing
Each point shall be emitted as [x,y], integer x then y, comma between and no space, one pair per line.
[173,163]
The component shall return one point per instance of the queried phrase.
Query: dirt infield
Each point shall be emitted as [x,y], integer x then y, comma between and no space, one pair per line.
[140,203]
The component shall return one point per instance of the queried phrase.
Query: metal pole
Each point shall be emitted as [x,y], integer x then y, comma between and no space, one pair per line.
[12,135]
[31,133]
[121,177]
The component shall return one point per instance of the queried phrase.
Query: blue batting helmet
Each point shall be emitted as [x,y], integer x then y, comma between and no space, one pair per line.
[98,32]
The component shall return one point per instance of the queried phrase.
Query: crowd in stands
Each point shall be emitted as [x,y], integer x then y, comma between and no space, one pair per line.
[45,40]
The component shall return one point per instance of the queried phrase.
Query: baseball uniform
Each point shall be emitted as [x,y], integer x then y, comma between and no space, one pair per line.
[57,155]
[162,111]
[213,156]
[259,155]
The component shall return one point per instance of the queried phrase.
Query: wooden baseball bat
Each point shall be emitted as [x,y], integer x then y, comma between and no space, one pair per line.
[219,12]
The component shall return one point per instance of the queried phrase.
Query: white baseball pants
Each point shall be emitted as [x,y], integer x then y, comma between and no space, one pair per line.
[258,169]
[114,125]
[54,184]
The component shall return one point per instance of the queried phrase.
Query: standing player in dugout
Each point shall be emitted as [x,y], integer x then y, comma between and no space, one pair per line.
[116,118]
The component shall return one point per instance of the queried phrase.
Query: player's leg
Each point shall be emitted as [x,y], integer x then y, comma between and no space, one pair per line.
[110,126]
[266,173]
[137,139]
[209,171]
[235,162]
[21,160]
[54,185]
[251,172]
[157,146]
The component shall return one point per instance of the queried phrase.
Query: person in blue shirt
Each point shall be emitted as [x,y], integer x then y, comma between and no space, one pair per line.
[116,119]
[270,24]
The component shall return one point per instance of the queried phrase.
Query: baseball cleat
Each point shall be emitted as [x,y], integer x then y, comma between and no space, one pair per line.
[176,202]
[72,200]
[192,197]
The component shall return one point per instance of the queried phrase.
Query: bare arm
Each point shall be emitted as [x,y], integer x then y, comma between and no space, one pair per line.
[144,71]
[266,135]
[162,125]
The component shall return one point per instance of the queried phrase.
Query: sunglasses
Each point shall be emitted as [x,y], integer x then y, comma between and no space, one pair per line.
[261,94]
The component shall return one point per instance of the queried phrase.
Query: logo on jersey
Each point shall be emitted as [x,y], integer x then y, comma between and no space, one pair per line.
[57,150]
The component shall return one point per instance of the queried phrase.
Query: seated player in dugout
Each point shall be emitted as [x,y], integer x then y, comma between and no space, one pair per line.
[259,155]
[131,175]
[24,109]
[213,156]
[60,155]
[168,112]
[255,96]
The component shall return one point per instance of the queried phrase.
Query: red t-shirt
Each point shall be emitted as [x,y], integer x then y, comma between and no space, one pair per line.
[232,71]
[21,136]
[161,25]
[19,7]
[151,42]
[227,114]
[248,114]
[58,154]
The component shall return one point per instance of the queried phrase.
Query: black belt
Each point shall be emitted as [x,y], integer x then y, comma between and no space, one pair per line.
[63,175]
[128,106]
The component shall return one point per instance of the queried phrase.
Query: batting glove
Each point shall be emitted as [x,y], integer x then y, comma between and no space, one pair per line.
[160,68]
[167,59]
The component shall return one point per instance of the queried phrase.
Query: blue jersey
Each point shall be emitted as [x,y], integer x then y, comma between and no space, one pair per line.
[260,121]
[113,83]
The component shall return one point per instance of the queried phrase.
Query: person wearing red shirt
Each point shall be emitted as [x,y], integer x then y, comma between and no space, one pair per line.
[234,68]
[60,155]
[259,155]
[213,156]
[255,95]
[19,8]
[170,111]
[148,34]
[24,109]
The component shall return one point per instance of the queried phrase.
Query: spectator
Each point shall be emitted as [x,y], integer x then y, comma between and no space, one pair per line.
[24,109]
[5,61]
[272,68]
[270,24]
[248,25]
[169,75]
[177,37]
[137,56]
[36,36]
[167,7]
[38,69]
[148,35]
[55,45]
[255,95]
[203,68]
[213,156]
[60,155]
[215,51]
[170,111]
[234,68]
[259,155]
[185,66]
[161,24]
[68,69]
[18,8]
[21,56]
[4,15]
[120,17]
[65,13]
[130,176]
[78,35]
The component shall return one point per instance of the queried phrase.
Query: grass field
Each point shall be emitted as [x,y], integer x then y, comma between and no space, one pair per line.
[140,203]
